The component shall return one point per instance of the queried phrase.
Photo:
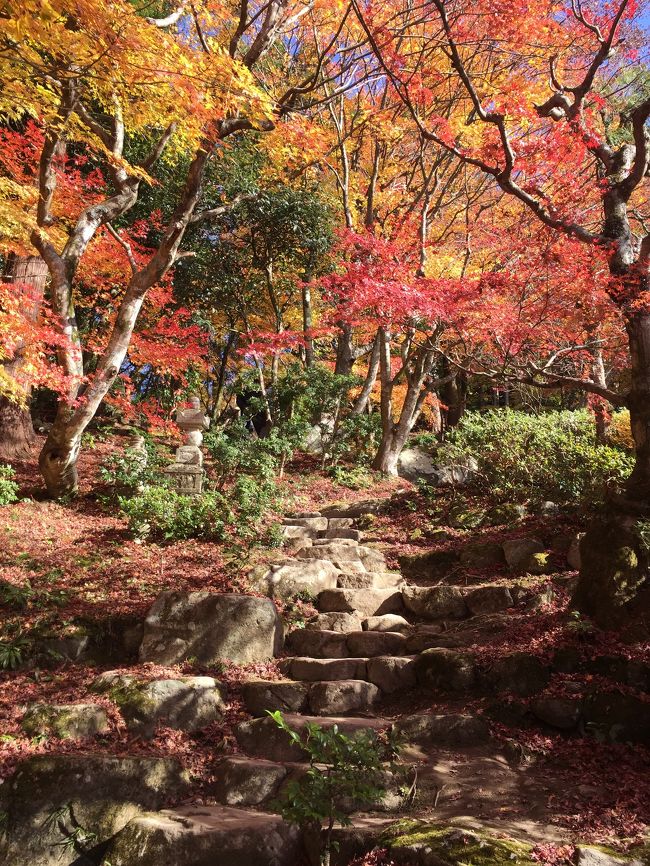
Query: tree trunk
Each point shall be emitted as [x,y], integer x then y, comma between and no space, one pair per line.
[344,350]
[638,402]
[362,400]
[58,458]
[307,325]
[600,408]
[454,394]
[17,436]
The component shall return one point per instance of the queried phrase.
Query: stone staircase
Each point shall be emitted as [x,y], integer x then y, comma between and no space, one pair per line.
[382,654]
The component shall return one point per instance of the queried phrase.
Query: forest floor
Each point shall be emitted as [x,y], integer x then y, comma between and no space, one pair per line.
[74,568]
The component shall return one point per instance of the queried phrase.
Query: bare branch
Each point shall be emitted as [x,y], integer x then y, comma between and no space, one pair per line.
[214,212]
[170,19]
[126,246]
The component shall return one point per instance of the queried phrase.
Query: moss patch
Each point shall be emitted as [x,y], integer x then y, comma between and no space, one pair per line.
[456,845]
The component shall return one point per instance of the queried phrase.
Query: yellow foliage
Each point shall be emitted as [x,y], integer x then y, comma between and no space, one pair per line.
[619,432]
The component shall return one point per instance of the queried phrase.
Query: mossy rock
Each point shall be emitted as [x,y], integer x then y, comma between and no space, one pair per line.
[65,721]
[440,844]
[55,798]
[538,563]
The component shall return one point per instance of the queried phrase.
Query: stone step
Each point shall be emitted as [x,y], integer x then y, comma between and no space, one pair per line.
[367,602]
[388,673]
[335,698]
[345,551]
[339,534]
[321,644]
[240,781]
[370,580]
[206,834]
[263,739]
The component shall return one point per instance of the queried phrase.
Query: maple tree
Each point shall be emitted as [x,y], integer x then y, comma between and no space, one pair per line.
[96,77]
[559,155]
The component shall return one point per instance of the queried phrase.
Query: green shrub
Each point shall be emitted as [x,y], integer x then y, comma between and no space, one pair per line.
[129,471]
[342,768]
[550,456]
[235,452]
[355,477]
[8,487]
[161,513]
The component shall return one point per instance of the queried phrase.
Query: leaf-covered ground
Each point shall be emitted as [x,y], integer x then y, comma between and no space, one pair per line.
[73,567]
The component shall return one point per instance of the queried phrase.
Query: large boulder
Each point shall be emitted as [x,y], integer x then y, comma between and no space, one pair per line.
[414,464]
[53,799]
[198,836]
[211,628]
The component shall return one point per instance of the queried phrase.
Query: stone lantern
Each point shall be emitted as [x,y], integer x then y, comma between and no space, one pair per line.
[187,469]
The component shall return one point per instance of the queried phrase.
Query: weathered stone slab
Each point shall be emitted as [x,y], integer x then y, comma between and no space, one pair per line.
[318,644]
[518,551]
[186,703]
[391,673]
[65,721]
[285,695]
[434,602]
[454,729]
[315,670]
[334,621]
[206,834]
[488,599]
[387,622]
[376,643]
[445,670]
[343,696]
[366,602]
[246,782]
[290,579]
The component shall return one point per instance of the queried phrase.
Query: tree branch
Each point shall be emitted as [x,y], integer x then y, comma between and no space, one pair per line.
[126,246]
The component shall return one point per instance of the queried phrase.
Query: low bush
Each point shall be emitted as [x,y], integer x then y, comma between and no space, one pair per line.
[536,457]
[161,513]
[8,487]
[130,470]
